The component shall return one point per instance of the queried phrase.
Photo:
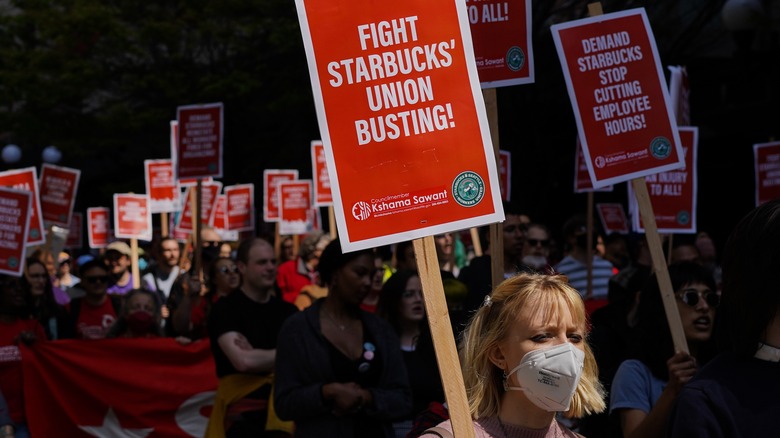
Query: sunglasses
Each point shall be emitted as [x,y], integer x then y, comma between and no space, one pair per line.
[212,244]
[535,242]
[226,269]
[97,279]
[691,297]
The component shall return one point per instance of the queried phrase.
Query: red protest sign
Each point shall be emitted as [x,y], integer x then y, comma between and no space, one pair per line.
[505,174]
[27,179]
[98,227]
[582,181]
[766,159]
[618,92]
[411,155]
[679,94]
[132,216]
[240,207]
[673,193]
[199,141]
[58,193]
[75,232]
[295,207]
[161,186]
[208,202]
[322,194]
[501,32]
[271,179]
[14,225]
[613,218]
[220,213]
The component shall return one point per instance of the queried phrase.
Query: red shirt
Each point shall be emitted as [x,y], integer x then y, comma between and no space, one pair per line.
[94,321]
[292,276]
[11,364]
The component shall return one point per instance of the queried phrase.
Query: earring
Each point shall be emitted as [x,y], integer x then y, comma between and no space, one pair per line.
[504,381]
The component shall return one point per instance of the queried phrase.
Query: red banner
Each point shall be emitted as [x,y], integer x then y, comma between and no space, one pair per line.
[118,387]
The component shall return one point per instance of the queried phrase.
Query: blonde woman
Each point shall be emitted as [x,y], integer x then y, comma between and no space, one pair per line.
[525,358]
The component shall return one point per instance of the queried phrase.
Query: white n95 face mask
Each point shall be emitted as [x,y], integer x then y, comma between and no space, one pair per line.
[549,376]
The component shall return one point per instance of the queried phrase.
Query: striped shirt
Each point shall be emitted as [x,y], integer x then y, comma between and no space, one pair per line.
[578,275]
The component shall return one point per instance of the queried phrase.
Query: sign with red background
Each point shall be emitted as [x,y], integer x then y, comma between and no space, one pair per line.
[766,157]
[161,186]
[98,227]
[15,220]
[319,169]
[271,180]
[132,216]
[27,179]
[295,207]
[240,208]
[199,141]
[58,188]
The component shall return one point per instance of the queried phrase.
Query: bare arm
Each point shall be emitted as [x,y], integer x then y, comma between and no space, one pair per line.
[243,359]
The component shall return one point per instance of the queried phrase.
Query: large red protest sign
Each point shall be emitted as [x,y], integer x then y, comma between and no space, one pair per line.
[673,193]
[199,141]
[271,180]
[766,157]
[14,224]
[319,168]
[208,202]
[27,179]
[98,227]
[58,189]
[240,210]
[132,216]
[613,218]
[411,155]
[618,92]
[167,389]
[501,32]
[76,231]
[161,186]
[295,207]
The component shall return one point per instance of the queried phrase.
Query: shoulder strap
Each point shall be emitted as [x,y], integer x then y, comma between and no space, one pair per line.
[438,431]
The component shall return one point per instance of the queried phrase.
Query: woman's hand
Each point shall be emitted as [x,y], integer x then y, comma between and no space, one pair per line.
[682,366]
[346,398]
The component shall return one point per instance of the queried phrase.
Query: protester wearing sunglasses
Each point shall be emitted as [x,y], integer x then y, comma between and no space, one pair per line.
[536,248]
[645,387]
[93,314]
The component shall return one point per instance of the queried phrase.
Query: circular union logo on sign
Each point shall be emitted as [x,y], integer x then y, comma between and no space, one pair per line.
[468,189]
[600,162]
[361,210]
[683,217]
[660,147]
[515,58]
[13,262]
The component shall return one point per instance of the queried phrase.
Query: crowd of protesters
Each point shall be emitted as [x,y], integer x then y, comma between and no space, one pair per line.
[311,341]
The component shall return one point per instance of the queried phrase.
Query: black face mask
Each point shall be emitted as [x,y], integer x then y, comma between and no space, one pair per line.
[210,253]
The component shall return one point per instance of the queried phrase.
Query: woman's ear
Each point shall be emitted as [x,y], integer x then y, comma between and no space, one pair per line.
[496,355]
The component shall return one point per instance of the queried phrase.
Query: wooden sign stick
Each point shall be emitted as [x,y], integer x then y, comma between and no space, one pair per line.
[134,263]
[332,223]
[443,340]
[496,230]
[589,240]
[164,224]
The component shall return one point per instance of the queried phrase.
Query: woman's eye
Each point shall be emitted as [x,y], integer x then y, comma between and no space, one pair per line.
[575,338]
[539,338]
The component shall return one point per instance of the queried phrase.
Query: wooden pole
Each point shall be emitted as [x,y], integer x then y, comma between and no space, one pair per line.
[443,340]
[589,240]
[332,223]
[134,263]
[196,226]
[164,224]
[475,241]
[496,230]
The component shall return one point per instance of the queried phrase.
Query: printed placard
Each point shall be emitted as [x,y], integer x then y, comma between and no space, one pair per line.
[766,159]
[208,202]
[295,207]
[58,188]
[411,155]
[14,223]
[582,181]
[132,216]
[319,169]
[75,231]
[613,218]
[271,180]
[619,96]
[98,227]
[679,93]
[505,174]
[161,185]
[199,141]
[501,32]
[240,207]
[673,193]
[220,213]
[27,179]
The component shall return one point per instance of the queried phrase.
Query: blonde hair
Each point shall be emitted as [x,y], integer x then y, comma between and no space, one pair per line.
[550,295]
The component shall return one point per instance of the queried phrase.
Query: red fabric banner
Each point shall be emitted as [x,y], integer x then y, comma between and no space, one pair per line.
[118,387]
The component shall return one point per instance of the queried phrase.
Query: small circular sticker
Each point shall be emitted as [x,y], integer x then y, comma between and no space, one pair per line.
[660,147]
[13,262]
[468,188]
[683,217]
[515,58]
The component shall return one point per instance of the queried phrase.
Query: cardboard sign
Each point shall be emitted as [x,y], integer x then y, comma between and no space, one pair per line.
[501,32]
[161,186]
[613,218]
[240,207]
[199,143]
[27,179]
[322,194]
[673,193]
[679,94]
[132,216]
[295,207]
[58,189]
[505,174]
[271,180]
[75,232]
[208,203]
[220,213]
[98,227]
[619,96]
[582,181]
[411,154]
[14,224]
[766,158]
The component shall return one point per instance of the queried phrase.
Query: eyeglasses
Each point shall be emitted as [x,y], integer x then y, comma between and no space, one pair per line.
[226,269]
[214,244]
[535,242]
[691,297]
[97,279]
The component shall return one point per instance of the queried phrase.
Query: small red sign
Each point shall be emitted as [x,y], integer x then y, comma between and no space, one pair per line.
[132,216]
[58,193]
[98,227]
[613,218]
[505,174]
[15,221]
[767,169]
[295,207]
[27,179]
[161,186]
[75,232]
[271,179]
[322,194]
[199,143]
[240,207]
[208,203]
